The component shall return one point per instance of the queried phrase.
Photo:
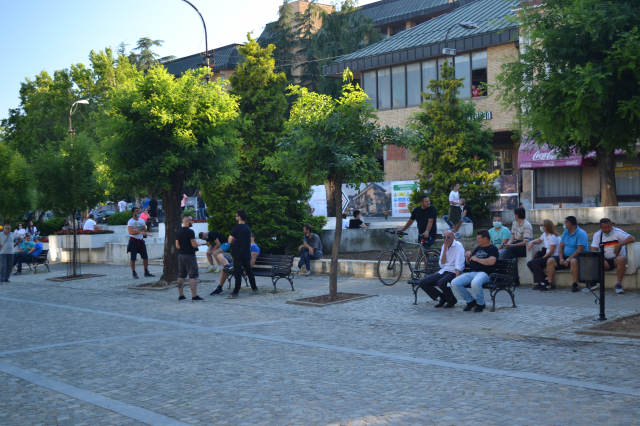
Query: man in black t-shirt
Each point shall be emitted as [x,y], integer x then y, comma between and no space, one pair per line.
[426,216]
[467,213]
[241,239]
[218,244]
[153,211]
[356,222]
[187,261]
[482,263]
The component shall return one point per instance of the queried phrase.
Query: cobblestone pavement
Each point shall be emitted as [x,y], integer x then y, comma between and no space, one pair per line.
[93,352]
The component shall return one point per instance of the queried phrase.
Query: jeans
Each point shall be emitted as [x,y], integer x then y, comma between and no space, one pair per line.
[6,264]
[239,264]
[476,280]
[201,213]
[306,258]
[18,258]
[446,219]
[429,283]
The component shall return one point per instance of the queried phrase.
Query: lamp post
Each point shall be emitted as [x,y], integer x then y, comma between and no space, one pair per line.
[466,26]
[72,132]
[207,55]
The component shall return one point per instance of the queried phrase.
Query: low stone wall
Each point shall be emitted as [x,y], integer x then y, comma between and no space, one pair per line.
[618,215]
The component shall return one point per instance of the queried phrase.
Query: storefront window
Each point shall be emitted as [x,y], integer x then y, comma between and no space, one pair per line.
[559,185]
[413,85]
[463,71]
[399,86]
[628,178]
[479,74]
[384,88]
[369,83]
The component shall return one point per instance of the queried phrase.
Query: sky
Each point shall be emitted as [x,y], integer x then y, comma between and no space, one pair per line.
[47,35]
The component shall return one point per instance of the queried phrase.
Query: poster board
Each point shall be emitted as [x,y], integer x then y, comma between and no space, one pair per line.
[401,196]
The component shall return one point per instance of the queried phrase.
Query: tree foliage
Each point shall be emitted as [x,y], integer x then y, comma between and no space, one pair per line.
[272,199]
[453,146]
[15,184]
[169,130]
[142,57]
[576,85]
[328,141]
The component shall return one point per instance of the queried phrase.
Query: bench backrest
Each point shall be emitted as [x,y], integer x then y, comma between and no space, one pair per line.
[269,260]
[43,254]
[505,267]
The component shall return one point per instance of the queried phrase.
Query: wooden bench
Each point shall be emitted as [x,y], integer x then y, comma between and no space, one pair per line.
[275,266]
[503,279]
[40,260]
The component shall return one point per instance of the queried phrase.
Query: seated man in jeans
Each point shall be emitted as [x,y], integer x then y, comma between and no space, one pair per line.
[452,264]
[29,256]
[482,263]
[311,249]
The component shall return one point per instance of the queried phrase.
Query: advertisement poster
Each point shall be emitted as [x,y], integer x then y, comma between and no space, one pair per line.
[318,200]
[373,199]
[401,195]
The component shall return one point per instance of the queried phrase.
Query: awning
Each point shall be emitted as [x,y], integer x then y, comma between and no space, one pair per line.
[532,156]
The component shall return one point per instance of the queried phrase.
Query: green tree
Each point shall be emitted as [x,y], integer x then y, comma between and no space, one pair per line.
[170,131]
[142,56]
[332,141]
[284,36]
[575,85]
[15,184]
[454,147]
[305,28]
[273,200]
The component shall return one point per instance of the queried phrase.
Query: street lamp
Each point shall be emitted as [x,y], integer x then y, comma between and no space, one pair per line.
[466,26]
[206,44]
[72,110]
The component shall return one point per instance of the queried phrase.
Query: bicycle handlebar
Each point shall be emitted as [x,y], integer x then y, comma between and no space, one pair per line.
[389,231]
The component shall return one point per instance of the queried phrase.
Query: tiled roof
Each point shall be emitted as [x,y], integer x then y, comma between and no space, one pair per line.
[389,11]
[427,39]
[226,57]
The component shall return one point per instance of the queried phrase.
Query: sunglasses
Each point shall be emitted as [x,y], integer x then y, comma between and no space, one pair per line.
[449,237]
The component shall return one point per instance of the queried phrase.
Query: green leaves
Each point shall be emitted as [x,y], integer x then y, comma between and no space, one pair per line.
[16,183]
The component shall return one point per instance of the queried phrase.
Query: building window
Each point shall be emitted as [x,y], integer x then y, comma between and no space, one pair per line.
[463,71]
[384,88]
[413,85]
[369,83]
[479,73]
[399,87]
[556,185]
[429,72]
[628,178]
[503,161]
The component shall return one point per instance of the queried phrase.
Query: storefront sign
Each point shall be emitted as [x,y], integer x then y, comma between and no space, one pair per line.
[485,115]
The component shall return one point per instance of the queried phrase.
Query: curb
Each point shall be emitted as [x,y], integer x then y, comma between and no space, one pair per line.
[608,333]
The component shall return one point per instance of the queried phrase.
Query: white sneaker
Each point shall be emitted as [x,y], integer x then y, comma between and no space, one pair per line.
[619,288]
[307,273]
[588,288]
[295,269]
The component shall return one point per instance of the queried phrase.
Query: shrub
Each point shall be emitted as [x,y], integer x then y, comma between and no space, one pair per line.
[119,218]
[51,226]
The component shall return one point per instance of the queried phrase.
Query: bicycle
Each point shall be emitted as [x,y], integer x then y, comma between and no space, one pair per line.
[392,260]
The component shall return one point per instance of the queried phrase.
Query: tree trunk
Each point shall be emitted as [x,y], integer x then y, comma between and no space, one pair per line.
[333,206]
[337,201]
[171,198]
[607,165]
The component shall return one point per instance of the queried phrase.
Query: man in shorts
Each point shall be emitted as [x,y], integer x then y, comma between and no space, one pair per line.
[615,254]
[573,241]
[187,262]
[137,232]
[218,244]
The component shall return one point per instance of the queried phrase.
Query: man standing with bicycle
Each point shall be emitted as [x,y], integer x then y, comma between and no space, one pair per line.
[451,266]
[426,216]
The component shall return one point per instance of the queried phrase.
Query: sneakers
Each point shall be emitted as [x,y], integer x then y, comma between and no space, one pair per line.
[148,274]
[574,288]
[232,296]
[306,274]
[210,269]
[538,287]
[479,308]
[449,305]
[295,269]
[218,290]
[18,273]
[197,299]
[545,287]
[182,298]
[441,303]
[217,270]
[619,288]
[135,275]
[589,287]
[470,306]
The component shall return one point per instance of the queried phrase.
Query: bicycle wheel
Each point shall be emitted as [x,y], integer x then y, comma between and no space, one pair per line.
[421,263]
[389,268]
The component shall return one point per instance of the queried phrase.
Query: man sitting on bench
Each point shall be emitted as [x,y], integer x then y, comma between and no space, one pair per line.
[482,263]
[452,264]
[28,257]
[574,240]
[615,254]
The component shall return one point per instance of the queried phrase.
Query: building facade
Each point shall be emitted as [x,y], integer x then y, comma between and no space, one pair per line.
[225,60]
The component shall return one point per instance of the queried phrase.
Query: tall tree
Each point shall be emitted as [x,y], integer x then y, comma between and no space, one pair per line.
[142,56]
[576,84]
[15,184]
[305,27]
[284,36]
[332,141]
[453,146]
[272,199]
[169,130]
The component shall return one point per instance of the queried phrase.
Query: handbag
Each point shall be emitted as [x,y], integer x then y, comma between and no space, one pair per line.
[540,253]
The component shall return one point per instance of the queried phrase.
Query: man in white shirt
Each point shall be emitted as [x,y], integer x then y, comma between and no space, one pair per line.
[451,266]
[90,224]
[455,215]
[137,232]
[122,205]
[615,254]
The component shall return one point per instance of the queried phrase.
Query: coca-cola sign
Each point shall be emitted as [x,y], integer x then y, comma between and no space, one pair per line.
[544,156]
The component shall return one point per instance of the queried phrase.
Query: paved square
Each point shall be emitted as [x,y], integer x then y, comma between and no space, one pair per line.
[93,352]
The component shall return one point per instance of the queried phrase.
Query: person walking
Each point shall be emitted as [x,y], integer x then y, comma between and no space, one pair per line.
[153,211]
[122,205]
[187,244]
[8,242]
[454,209]
[137,231]
[241,239]
[311,249]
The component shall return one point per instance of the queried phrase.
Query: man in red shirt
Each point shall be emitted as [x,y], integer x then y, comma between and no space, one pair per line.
[476,91]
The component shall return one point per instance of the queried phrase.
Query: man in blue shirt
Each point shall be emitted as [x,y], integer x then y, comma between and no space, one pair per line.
[574,240]
[28,257]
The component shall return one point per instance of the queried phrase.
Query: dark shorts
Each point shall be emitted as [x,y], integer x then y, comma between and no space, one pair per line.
[134,249]
[611,262]
[188,265]
[153,212]
[560,267]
